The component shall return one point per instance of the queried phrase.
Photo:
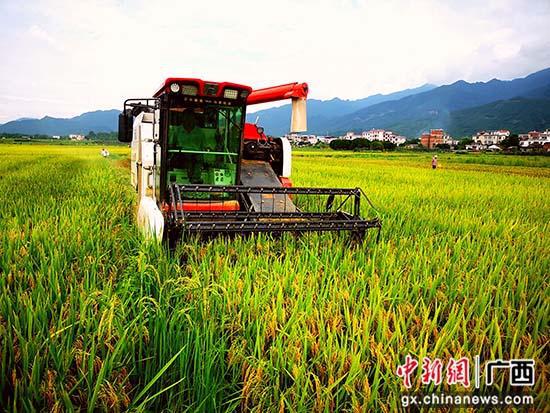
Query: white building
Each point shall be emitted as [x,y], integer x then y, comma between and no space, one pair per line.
[297,139]
[534,138]
[447,139]
[77,137]
[397,140]
[383,136]
[374,135]
[351,136]
[324,139]
[488,138]
[475,147]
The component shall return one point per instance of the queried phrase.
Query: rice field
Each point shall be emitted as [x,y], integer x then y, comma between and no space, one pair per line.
[94,319]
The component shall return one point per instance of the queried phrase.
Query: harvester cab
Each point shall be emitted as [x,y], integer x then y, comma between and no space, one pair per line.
[199,168]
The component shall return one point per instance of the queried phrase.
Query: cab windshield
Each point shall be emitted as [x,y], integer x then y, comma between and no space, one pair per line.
[203,145]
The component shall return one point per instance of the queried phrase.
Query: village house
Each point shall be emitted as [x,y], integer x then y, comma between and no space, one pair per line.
[383,136]
[396,140]
[489,138]
[436,137]
[535,139]
[324,139]
[450,141]
[77,137]
[374,135]
[432,139]
[302,140]
[475,147]
[349,136]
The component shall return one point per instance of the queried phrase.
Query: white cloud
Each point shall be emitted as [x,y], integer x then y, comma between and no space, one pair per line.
[42,35]
[93,54]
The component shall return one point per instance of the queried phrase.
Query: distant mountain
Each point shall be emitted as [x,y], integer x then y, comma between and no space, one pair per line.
[97,121]
[539,93]
[460,108]
[321,113]
[276,121]
[414,114]
[517,115]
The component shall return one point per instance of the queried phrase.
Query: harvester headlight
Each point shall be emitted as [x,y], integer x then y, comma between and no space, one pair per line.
[190,90]
[230,93]
[174,88]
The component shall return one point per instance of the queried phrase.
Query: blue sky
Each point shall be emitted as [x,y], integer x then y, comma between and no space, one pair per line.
[62,58]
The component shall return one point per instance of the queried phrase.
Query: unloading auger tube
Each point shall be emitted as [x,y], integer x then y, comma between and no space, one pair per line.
[198,168]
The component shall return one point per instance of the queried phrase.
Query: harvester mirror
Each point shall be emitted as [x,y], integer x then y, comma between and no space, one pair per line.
[125,126]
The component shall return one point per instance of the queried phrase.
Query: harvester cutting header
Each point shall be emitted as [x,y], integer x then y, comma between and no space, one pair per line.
[199,168]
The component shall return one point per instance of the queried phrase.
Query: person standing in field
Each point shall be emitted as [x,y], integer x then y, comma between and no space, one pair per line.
[434,162]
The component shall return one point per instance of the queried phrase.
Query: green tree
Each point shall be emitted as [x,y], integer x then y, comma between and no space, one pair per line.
[463,142]
[361,143]
[512,140]
[340,144]
[377,146]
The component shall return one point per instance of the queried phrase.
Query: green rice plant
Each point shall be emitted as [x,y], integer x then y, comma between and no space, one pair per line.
[94,318]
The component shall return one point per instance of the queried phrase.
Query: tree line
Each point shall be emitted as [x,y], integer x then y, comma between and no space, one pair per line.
[95,136]
[361,143]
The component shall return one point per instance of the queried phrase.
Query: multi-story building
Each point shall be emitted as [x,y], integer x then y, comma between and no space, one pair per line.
[374,134]
[433,138]
[396,139]
[351,136]
[383,136]
[450,141]
[300,140]
[488,138]
[535,138]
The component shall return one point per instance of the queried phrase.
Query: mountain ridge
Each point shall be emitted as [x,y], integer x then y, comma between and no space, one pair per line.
[97,121]
[408,112]
[516,115]
[417,113]
[276,120]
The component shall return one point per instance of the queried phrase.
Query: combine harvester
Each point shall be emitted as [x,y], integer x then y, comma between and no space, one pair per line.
[198,168]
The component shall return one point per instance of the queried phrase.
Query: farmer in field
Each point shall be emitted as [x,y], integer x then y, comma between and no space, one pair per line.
[104,152]
[434,162]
